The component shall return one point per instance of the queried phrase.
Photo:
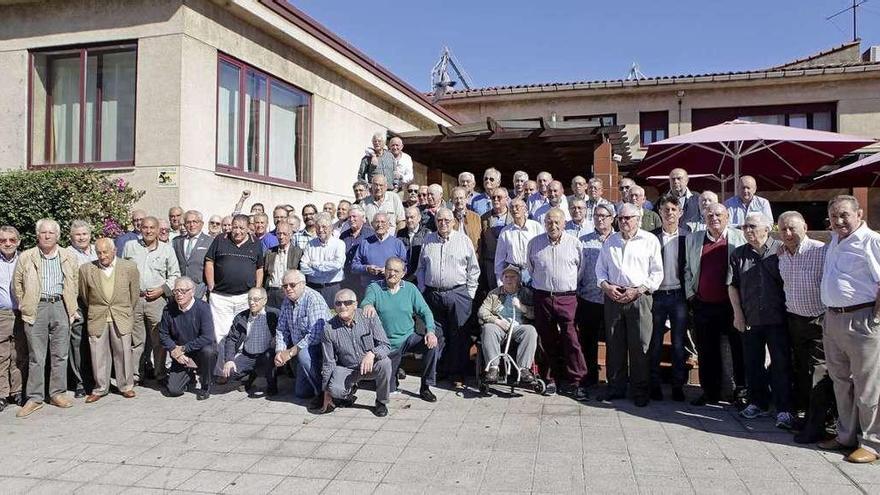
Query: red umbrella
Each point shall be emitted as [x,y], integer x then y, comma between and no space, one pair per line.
[741,147]
[863,173]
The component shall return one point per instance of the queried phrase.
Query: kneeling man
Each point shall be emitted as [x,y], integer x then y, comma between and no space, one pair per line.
[250,343]
[187,333]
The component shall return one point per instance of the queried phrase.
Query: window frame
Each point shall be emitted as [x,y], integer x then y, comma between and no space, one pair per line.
[596,117]
[237,170]
[83,51]
[649,116]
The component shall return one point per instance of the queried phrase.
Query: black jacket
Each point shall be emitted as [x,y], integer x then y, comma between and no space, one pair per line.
[238,332]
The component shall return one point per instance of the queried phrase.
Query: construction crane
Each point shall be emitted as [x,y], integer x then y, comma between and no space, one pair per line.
[441,81]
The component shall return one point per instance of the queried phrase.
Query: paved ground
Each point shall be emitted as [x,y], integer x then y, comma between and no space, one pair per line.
[235,444]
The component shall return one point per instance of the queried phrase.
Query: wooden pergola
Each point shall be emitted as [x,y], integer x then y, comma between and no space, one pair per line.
[564,149]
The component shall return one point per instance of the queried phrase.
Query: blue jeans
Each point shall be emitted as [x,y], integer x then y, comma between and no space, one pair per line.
[775,338]
[308,372]
[671,305]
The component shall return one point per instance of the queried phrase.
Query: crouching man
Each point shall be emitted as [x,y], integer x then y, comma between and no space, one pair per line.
[187,333]
[355,348]
[250,343]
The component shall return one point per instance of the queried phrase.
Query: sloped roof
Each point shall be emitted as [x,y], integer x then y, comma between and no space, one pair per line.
[847,52]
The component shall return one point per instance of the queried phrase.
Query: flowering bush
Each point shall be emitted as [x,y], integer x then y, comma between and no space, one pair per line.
[65,194]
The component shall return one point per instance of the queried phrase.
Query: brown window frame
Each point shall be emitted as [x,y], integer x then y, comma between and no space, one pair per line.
[83,51]
[303,170]
[653,127]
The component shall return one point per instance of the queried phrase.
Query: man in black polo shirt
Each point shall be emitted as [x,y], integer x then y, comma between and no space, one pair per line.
[233,266]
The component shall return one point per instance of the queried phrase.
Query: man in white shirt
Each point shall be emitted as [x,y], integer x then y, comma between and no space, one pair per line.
[747,202]
[323,260]
[630,267]
[555,199]
[513,241]
[380,200]
[850,285]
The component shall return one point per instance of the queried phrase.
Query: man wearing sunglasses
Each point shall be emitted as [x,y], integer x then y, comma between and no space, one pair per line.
[354,349]
[187,333]
[482,202]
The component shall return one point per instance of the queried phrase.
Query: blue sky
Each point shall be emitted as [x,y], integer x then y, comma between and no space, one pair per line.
[522,42]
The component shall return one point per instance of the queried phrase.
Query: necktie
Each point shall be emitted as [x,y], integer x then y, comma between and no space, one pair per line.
[189,245]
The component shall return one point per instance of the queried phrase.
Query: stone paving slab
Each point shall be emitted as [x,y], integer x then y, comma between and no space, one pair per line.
[471,444]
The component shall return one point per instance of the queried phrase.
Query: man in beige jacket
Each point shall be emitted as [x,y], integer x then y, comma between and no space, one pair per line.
[109,288]
[45,283]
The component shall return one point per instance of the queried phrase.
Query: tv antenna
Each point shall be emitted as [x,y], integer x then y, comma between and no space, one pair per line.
[441,81]
[854,7]
[635,73]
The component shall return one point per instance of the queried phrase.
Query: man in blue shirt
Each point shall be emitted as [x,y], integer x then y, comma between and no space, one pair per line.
[747,202]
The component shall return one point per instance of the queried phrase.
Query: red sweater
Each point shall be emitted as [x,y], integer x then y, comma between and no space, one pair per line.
[712,287]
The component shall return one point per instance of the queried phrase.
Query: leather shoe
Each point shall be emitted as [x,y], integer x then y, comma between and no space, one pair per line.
[657,393]
[202,394]
[862,456]
[609,396]
[93,398]
[129,394]
[380,410]
[3,404]
[704,400]
[427,395]
[61,401]
[80,393]
[29,408]
[677,394]
[833,444]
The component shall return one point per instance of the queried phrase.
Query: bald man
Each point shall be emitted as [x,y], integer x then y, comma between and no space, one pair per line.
[747,202]
[687,200]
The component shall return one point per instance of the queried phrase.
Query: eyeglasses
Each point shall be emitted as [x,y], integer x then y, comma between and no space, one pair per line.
[602,217]
[347,302]
[213,223]
[290,285]
[750,226]
[413,191]
[255,299]
[493,179]
[178,292]
[443,220]
[629,217]
[624,188]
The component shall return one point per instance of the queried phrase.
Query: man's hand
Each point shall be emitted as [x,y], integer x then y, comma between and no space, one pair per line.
[503,324]
[154,293]
[430,340]
[630,294]
[614,292]
[177,352]
[246,193]
[369,311]
[327,406]
[367,363]
[281,358]
[229,368]
[739,321]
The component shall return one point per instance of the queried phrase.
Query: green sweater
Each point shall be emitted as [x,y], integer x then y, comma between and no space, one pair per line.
[396,310]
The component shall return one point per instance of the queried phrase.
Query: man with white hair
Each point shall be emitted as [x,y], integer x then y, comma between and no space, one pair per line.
[595,190]
[578,226]
[323,260]
[650,219]
[539,197]
[401,162]
[412,236]
[250,343]
[491,224]
[277,260]
[468,182]
[45,283]
[466,221]
[758,300]
[191,248]
[513,242]
[706,198]
[187,334]
[13,342]
[215,225]
[358,230]
[369,261]
[578,189]
[81,246]
[520,179]
[372,162]
[483,201]
[687,200]
[380,201]
[434,203]
[746,202]
[555,199]
[629,269]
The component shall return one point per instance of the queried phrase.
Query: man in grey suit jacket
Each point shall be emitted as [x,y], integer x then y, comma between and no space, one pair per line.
[277,261]
[190,250]
[706,275]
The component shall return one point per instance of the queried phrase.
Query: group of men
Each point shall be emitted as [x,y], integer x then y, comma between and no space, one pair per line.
[400,270]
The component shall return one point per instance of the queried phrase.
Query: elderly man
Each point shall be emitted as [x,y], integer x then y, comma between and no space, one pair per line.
[250,343]
[669,302]
[329,208]
[360,189]
[341,223]
[323,260]
[555,199]
[45,283]
[369,261]
[353,237]
[412,236]
[850,283]
[514,240]
[578,189]
[468,182]
[590,315]
[423,195]
[509,310]
[434,203]
[520,179]
[354,349]
[215,225]
[531,189]
[225,225]
[706,198]
[401,162]
[302,321]
[164,231]
[396,302]
[595,190]
[466,221]
[539,197]
[448,274]
[266,239]
[310,227]
[706,273]
[412,196]
[81,246]
[629,269]
[688,202]
[380,200]
[277,261]
[758,300]
[137,216]
[491,224]
[187,334]
[175,221]
[279,214]
[554,261]
[650,219]
[233,266]
[110,289]
[190,250]
[747,201]
[158,268]
[801,261]
[578,226]
[372,162]
[483,201]
[13,342]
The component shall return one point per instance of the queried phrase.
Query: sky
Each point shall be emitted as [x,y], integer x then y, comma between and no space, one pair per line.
[526,42]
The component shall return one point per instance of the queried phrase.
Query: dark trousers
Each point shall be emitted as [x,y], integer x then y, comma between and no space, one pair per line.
[248,365]
[180,376]
[590,319]
[328,291]
[415,343]
[561,356]
[627,342]
[813,389]
[711,321]
[759,379]
[275,297]
[452,309]
[669,305]
[80,356]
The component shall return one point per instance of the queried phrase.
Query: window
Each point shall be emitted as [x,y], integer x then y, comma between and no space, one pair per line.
[818,116]
[654,126]
[263,125]
[605,119]
[82,106]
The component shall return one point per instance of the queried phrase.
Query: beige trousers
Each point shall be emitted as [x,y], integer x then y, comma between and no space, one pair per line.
[111,349]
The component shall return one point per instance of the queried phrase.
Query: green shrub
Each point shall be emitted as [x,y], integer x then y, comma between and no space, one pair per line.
[65,194]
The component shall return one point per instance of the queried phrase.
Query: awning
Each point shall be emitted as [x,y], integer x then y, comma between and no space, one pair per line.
[564,149]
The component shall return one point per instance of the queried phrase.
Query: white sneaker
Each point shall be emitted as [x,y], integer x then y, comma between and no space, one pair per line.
[784,421]
[753,411]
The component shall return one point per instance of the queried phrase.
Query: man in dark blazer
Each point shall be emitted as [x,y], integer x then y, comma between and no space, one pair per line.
[190,250]
[250,344]
[669,301]
[412,236]
[277,260]
[491,224]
